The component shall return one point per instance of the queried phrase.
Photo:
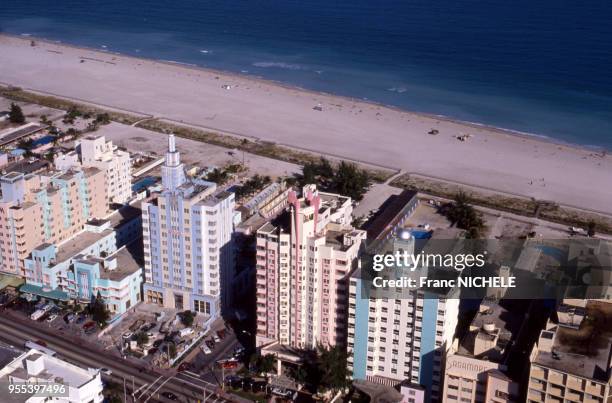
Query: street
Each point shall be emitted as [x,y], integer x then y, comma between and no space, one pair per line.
[148,384]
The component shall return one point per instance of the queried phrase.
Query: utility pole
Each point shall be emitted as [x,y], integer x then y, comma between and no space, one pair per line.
[133,389]
[124,391]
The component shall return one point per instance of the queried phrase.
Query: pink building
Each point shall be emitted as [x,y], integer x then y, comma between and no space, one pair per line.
[50,208]
[304,258]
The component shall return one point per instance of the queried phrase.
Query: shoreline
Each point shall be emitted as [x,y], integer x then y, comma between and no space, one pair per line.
[288,86]
[279,114]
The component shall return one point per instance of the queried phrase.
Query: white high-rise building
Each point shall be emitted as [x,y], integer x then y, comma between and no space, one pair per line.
[95,151]
[404,339]
[187,240]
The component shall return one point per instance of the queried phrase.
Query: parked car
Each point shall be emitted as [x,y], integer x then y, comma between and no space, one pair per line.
[106,371]
[206,349]
[185,366]
[89,325]
[82,318]
[69,317]
[38,314]
[157,343]
[221,334]
[282,392]
[52,317]
[228,364]
[216,338]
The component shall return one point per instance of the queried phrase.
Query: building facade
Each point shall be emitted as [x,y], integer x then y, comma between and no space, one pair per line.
[85,266]
[95,151]
[188,241]
[50,208]
[302,271]
[404,339]
[476,368]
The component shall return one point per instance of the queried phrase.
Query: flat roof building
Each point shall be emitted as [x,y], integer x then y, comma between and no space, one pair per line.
[34,367]
[476,367]
[571,361]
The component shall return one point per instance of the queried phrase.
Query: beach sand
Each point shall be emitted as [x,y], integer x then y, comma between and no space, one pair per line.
[490,158]
[193,152]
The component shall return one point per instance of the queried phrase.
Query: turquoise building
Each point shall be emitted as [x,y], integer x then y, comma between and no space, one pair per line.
[92,262]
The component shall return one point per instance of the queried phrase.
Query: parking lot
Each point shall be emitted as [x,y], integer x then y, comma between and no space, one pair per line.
[65,319]
[147,332]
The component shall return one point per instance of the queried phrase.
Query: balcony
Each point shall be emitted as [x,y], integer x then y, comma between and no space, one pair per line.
[575,383]
[556,377]
[574,396]
[595,389]
[537,372]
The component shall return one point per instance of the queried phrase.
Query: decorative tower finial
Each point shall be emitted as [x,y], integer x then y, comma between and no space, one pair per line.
[171,143]
[172,171]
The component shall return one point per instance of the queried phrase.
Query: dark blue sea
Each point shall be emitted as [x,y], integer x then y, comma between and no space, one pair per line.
[542,67]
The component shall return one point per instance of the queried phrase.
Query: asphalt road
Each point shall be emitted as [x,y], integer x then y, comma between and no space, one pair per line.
[205,364]
[148,384]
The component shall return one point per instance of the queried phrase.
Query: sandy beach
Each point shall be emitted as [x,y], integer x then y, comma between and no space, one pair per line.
[488,158]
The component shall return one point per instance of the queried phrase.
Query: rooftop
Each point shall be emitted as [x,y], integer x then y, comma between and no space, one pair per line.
[125,214]
[492,330]
[262,196]
[336,238]
[27,166]
[52,369]
[129,260]
[584,351]
[10,135]
[78,243]
[7,355]
[391,214]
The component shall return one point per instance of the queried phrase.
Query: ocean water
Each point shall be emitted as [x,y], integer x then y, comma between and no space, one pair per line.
[542,67]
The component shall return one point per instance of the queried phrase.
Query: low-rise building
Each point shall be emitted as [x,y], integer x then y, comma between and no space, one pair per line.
[73,384]
[571,361]
[477,366]
[91,263]
[116,278]
[268,202]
